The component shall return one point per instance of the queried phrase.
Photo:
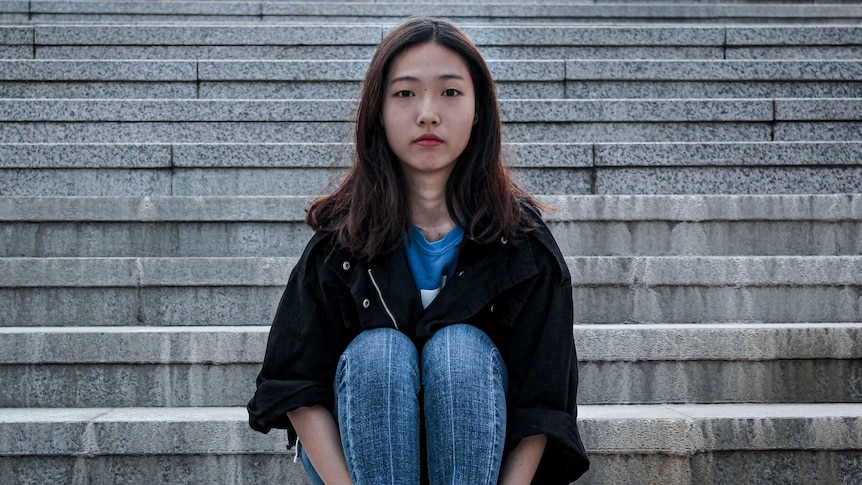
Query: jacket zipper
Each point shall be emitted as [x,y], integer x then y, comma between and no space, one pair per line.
[380,294]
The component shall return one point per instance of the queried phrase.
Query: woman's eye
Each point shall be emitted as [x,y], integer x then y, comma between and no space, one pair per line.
[403,94]
[451,92]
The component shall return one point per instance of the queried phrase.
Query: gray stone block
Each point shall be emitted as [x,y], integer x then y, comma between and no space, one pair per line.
[98,90]
[635,110]
[158,209]
[149,385]
[255,181]
[304,70]
[728,154]
[557,52]
[278,90]
[765,381]
[802,35]
[729,180]
[81,155]
[818,131]
[177,110]
[169,132]
[234,35]
[344,110]
[832,53]
[195,52]
[708,89]
[633,132]
[238,469]
[16,35]
[272,155]
[719,70]
[818,109]
[141,8]
[100,306]
[86,182]
[596,36]
[155,239]
[16,52]
[92,70]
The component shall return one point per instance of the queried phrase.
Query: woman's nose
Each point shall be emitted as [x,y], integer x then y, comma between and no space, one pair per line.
[428,112]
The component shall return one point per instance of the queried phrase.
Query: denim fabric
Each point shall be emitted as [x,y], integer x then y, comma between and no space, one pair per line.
[461,380]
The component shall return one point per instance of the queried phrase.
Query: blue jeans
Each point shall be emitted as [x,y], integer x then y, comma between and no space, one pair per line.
[382,388]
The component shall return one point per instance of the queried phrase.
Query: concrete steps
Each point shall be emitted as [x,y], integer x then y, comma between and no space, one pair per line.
[156,158]
[717,225]
[340,79]
[351,42]
[463,12]
[170,167]
[682,443]
[111,366]
[242,291]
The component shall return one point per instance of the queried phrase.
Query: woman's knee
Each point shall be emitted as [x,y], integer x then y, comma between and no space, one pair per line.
[463,353]
[380,353]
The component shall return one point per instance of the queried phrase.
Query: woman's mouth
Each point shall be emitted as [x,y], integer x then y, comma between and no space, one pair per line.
[428,140]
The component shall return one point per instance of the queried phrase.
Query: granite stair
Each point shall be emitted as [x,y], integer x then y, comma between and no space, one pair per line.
[704,159]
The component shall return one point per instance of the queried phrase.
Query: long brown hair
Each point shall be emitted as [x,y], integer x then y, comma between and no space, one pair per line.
[369,211]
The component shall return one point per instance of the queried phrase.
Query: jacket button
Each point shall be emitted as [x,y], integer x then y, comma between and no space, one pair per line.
[366,303]
[491,309]
[503,240]
[345,265]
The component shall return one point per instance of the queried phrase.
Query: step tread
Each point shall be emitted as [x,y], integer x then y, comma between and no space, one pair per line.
[569,208]
[728,70]
[214,345]
[660,428]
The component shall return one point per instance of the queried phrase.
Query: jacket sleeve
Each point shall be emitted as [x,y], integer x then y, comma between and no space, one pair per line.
[301,353]
[543,371]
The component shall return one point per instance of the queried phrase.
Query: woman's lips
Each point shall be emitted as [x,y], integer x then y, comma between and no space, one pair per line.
[428,141]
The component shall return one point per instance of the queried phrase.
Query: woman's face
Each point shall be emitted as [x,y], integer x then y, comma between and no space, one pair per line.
[429,109]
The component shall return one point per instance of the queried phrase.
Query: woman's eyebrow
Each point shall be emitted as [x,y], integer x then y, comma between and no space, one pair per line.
[443,77]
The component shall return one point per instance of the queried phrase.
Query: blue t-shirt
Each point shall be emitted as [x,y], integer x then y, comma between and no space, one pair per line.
[432,263]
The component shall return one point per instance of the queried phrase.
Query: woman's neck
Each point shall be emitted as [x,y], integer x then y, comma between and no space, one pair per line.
[429,211]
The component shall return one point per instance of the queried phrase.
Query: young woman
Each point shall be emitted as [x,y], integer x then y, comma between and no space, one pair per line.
[425,334]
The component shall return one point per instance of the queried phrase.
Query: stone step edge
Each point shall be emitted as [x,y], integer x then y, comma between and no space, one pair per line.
[452,9]
[226,345]
[511,111]
[315,70]
[568,208]
[674,429]
[256,33]
[636,272]
[35,156]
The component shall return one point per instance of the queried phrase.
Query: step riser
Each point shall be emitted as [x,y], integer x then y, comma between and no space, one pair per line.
[314,181]
[325,132]
[510,90]
[246,469]
[253,306]
[91,385]
[250,239]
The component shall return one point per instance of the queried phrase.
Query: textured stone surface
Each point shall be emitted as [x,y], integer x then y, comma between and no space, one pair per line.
[849,109]
[52,155]
[818,131]
[803,35]
[846,52]
[724,70]
[207,35]
[11,35]
[98,90]
[60,70]
[346,52]
[233,8]
[86,182]
[592,36]
[729,180]
[708,89]
[623,132]
[728,154]
[169,132]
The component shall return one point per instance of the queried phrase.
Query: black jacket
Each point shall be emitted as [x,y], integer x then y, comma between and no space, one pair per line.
[517,292]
